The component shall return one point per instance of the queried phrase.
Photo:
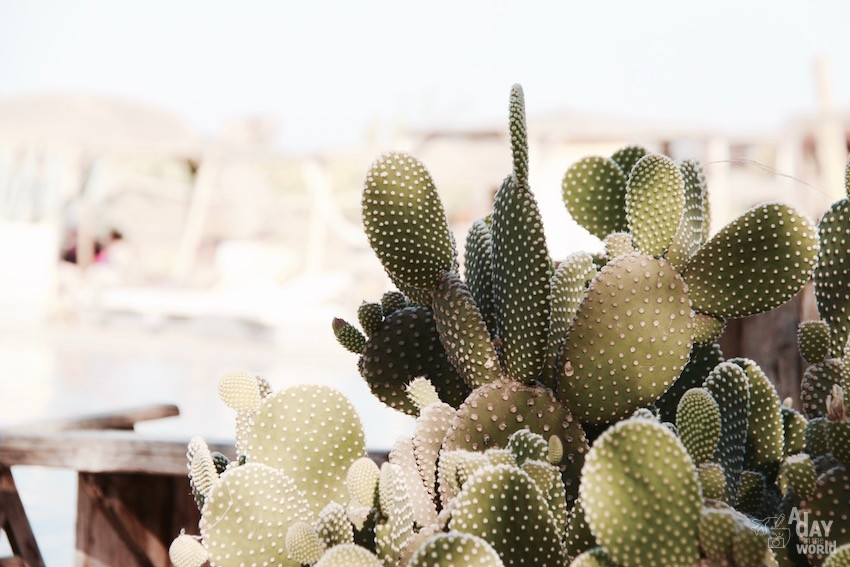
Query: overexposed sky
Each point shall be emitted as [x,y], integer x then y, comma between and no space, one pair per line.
[325,70]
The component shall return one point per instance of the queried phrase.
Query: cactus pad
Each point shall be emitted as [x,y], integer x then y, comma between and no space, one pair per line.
[655,200]
[303,544]
[813,340]
[702,360]
[717,529]
[455,550]
[729,387]
[829,504]
[798,473]
[630,340]
[698,422]
[478,263]
[794,426]
[594,191]
[349,555]
[593,558]
[239,390]
[832,273]
[568,285]
[519,135]
[186,551]
[313,434]
[713,482]
[405,221]
[755,263]
[817,384]
[348,336]
[617,244]
[840,557]
[641,495]
[707,329]
[692,226]
[370,316]
[627,157]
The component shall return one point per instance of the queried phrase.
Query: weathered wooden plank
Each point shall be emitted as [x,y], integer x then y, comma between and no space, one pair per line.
[15,522]
[122,419]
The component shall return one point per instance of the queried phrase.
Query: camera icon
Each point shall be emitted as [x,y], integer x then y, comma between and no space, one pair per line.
[780,533]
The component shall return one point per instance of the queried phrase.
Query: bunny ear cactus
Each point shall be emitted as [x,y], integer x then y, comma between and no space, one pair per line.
[814,341]
[626,157]
[478,261]
[594,191]
[765,432]
[698,422]
[693,226]
[655,200]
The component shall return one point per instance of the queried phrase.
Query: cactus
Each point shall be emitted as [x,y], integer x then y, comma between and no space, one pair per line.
[303,544]
[186,551]
[568,286]
[456,550]
[655,200]
[829,504]
[729,387]
[702,360]
[765,432]
[712,479]
[370,316]
[833,272]
[817,384]
[692,230]
[349,555]
[594,191]
[839,428]
[794,428]
[698,422]
[626,157]
[593,558]
[813,340]
[839,558]
[478,261]
[798,474]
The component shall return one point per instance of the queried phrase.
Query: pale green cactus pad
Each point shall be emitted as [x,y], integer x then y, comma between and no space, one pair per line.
[630,340]
[729,387]
[717,528]
[594,191]
[421,500]
[617,244]
[405,221]
[750,544]
[568,285]
[578,538]
[495,411]
[502,506]
[333,527]
[702,360]
[478,265]
[593,558]
[407,347]
[829,504]
[642,496]
[395,528]
[186,551]
[814,341]
[833,272]
[755,263]
[247,515]
[521,272]
[303,544]
[817,384]
[431,427]
[839,558]
[519,135]
[712,479]
[626,157]
[349,555]
[794,427]
[765,431]
[798,473]
[692,226]
[698,422]
[655,200]
[707,329]
[455,550]
[313,434]
[464,333]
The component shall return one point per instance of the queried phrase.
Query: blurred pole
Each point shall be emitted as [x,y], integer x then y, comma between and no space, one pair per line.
[831,143]
[85,215]
[199,204]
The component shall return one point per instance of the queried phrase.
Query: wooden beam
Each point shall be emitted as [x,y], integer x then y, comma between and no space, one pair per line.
[122,419]
[15,522]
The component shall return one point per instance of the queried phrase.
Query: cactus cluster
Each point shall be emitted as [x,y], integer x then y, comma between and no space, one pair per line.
[567,412]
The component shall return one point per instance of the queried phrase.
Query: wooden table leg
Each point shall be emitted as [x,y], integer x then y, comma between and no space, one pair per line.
[13,519]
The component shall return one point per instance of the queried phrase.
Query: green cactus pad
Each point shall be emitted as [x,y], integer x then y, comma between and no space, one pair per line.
[702,360]
[707,329]
[841,556]
[455,550]
[527,446]
[303,544]
[750,545]
[464,333]
[422,393]
[698,422]
[568,285]
[493,412]
[712,479]
[313,434]
[248,514]
[717,528]
[349,555]
[755,263]
[578,538]
[655,200]
[593,558]
[555,450]
[521,272]
[333,527]
[729,386]
[817,437]
[642,496]
[617,244]
[186,551]
[751,494]
[362,481]
[395,530]
[833,272]
[829,504]
[431,427]
[370,316]
[798,473]
[407,347]
[794,426]
[519,135]
[348,336]
[765,432]
[629,342]
[405,222]
[393,301]
[502,506]
[478,263]
[817,384]
[813,340]
[594,191]
[627,157]
[692,226]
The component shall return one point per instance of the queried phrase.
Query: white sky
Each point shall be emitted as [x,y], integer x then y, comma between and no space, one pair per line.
[326,69]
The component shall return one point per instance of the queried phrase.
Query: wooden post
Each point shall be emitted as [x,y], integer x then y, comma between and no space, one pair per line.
[14,521]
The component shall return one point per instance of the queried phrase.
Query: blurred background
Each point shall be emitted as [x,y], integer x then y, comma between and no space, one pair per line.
[180,181]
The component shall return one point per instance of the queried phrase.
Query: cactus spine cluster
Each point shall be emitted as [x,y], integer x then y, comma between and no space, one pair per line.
[573,412]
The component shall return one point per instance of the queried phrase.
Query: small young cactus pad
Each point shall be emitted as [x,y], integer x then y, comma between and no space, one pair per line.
[698,422]
[187,551]
[455,550]
[655,200]
[594,191]
[349,555]
[813,340]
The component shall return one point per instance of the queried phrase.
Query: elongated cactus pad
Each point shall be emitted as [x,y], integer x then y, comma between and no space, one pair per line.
[692,226]
[702,360]
[333,527]
[655,200]
[464,333]
[698,422]
[751,494]
[313,434]
[431,427]
[203,474]
[630,340]
[568,285]
[626,157]
[362,481]
[502,506]
[495,411]
[832,273]
[794,426]
[829,504]
[578,538]
[421,500]
[456,550]
[248,513]
[817,384]
[395,529]
[348,336]
[519,135]
[349,555]
[813,340]
[641,495]
[755,263]
[594,191]
[765,431]
[521,272]
[478,263]
[817,437]
[729,387]
[407,347]
[405,221]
